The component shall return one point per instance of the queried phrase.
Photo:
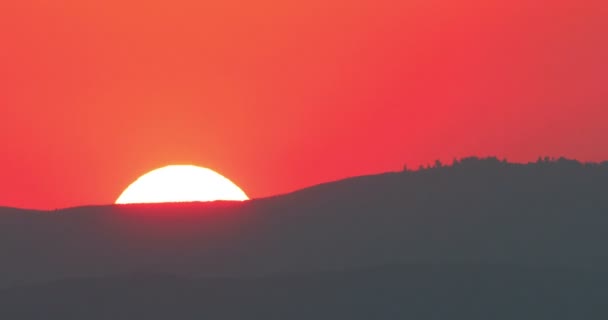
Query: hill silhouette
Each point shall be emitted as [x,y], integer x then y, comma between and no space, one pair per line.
[537,217]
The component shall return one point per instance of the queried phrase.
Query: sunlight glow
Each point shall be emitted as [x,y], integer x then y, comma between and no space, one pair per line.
[181,183]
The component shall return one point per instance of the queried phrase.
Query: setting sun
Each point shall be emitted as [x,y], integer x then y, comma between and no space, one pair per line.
[181,183]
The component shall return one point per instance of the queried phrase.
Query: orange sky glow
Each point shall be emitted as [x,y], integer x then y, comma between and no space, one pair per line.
[279,95]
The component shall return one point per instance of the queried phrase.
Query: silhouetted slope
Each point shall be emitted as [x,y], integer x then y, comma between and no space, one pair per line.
[542,214]
[409,292]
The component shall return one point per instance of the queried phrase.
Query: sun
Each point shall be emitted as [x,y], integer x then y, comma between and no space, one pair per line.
[181,183]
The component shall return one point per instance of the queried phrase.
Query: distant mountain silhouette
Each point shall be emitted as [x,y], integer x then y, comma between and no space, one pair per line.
[548,215]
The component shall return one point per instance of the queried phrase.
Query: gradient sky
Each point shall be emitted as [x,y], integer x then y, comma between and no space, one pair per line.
[279,95]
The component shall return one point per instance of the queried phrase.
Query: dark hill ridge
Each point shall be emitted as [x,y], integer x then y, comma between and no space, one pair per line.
[542,214]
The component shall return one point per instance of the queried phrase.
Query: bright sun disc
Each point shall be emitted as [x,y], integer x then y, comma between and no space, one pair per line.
[181,183]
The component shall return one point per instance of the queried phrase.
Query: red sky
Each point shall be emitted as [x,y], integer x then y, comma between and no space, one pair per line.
[279,95]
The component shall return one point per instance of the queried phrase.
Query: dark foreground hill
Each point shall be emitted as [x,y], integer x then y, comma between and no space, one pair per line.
[542,216]
[407,292]
[479,211]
